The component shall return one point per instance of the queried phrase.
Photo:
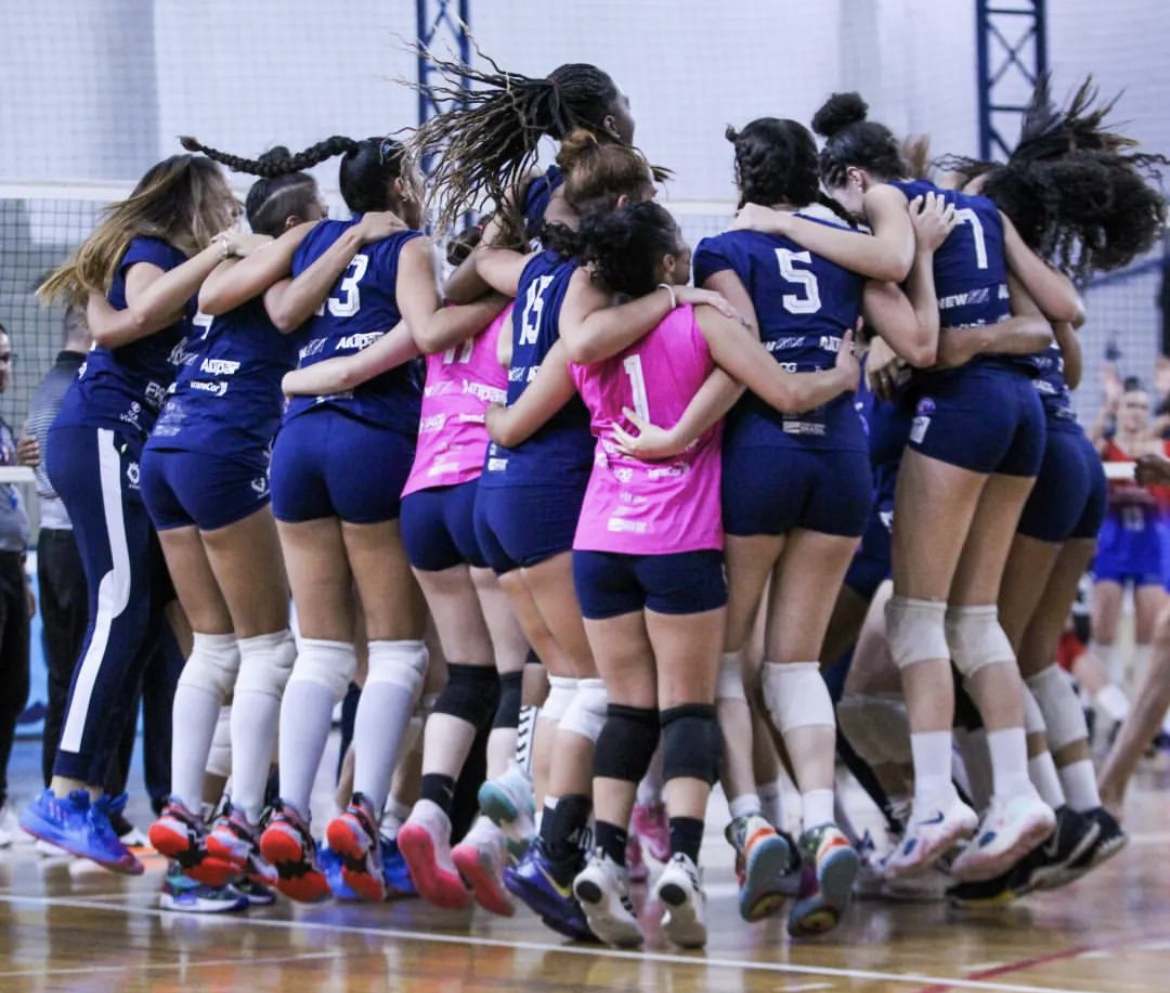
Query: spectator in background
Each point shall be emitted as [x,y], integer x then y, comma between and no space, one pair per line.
[16,602]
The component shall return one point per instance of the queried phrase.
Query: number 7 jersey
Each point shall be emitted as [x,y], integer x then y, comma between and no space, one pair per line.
[360,309]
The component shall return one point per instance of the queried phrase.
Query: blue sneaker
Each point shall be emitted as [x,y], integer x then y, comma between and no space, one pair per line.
[182,894]
[81,828]
[331,863]
[536,880]
[830,865]
[395,872]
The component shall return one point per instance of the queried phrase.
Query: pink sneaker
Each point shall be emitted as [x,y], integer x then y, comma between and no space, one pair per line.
[650,824]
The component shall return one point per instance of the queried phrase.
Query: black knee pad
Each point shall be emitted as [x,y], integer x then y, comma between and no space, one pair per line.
[626,743]
[692,745]
[508,705]
[471,694]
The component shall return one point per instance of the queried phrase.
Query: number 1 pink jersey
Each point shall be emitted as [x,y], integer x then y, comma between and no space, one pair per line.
[452,430]
[651,508]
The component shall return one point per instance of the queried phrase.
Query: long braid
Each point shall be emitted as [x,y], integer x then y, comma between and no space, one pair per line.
[270,168]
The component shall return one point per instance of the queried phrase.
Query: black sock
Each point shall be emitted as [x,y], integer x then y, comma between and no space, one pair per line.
[562,828]
[611,839]
[686,836]
[438,789]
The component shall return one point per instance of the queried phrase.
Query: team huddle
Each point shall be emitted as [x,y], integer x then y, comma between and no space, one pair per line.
[622,518]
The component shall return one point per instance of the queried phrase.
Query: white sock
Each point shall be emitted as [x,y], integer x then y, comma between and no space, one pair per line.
[1110,657]
[1009,762]
[1042,772]
[1079,780]
[256,716]
[650,788]
[932,764]
[194,715]
[394,815]
[747,805]
[1113,701]
[816,808]
[396,670]
[772,802]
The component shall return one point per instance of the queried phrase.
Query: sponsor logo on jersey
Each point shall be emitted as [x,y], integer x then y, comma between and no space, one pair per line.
[497,465]
[926,406]
[481,391]
[156,395]
[356,342]
[314,347]
[830,344]
[133,413]
[783,344]
[219,367]
[804,428]
[260,485]
[428,425]
[918,428]
[675,471]
[133,474]
[215,389]
[438,389]
[620,525]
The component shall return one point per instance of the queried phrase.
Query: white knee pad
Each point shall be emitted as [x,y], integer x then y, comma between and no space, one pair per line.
[586,713]
[916,630]
[213,664]
[401,663]
[876,725]
[1053,690]
[219,758]
[730,683]
[976,639]
[266,662]
[327,663]
[561,692]
[796,696]
[1033,717]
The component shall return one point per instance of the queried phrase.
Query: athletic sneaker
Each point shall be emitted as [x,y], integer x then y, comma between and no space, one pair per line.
[425,843]
[257,894]
[236,840]
[636,869]
[1009,830]
[508,801]
[763,857]
[480,858]
[288,846]
[183,894]
[932,829]
[395,871]
[603,890]
[354,836]
[331,864]
[680,891]
[1056,862]
[81,828]
[650,823]
[1111,839]
[830,865]
[46,850]
[870,883]
[546,887]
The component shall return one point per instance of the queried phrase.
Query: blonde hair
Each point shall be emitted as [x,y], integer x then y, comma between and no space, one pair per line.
[183,200]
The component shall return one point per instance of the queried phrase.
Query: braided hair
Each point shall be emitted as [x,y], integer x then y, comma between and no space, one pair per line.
[852,140]
[272,201]
[776,162]
[1073,187]
[486,144]
[367,167]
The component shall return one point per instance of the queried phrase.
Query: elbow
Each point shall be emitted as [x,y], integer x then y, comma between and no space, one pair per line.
[924,355]
[283,321]
[211,304]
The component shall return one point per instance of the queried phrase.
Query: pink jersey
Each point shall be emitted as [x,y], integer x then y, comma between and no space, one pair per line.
[651,508]
[452,431]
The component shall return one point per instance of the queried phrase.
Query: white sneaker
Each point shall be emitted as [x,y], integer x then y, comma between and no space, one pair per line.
[8,826]
[425,843]
[603,890]
[480,858]
[1009,830]
[680,891]
[933,828]
[508,801]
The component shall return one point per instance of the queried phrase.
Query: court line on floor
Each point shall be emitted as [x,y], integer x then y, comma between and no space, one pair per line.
[174,966]
[664,958]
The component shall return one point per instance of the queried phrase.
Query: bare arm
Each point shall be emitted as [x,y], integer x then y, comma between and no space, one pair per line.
[886,255]
[346,372]
[1070,351]
[548,392]
[450,326]
[707,407]
[1026,333]
[1053,292]
[230,286]
[416,290]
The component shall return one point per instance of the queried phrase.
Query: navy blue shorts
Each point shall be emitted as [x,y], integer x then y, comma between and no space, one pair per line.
[776,490]
[1070,495]
[522,526]
[987,419]
[181,489]
[438,527]
[327,464]
[1129,555]
[610,584]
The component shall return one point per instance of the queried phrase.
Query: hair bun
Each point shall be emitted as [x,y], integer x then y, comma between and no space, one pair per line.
[577,144]
[276,154]
[838,112]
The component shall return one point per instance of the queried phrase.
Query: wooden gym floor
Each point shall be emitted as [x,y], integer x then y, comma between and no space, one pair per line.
[66,925]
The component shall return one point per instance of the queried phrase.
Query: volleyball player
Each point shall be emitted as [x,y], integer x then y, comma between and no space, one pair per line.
[148,256]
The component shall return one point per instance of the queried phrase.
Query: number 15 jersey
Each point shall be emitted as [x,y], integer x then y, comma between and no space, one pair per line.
[804,305]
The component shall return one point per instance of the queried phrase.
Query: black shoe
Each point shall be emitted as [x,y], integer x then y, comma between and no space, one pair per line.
[1110,840]
[1073,838]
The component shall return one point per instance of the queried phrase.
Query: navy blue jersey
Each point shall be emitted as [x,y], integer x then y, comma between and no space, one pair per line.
[227,398]
[562,450]
[804,305]
[1050,384]
[125,387]
[537,198]
[361,308]
[970,271]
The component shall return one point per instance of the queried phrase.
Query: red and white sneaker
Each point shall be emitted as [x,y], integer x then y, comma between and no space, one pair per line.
[287,845]
[425,843]
[480,858]
[354,836]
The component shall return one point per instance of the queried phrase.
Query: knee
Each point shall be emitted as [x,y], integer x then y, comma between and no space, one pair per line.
[587,712]
[976,639]
[212,665]
[266,663]
[916,630]
[470,695]
[401,663]
[692,744]
[327,663]
[626,744]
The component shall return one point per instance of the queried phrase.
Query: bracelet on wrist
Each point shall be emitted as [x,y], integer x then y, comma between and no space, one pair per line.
[670,291]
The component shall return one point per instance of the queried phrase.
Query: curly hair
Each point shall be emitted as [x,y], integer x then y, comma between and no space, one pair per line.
[852,140]
[1073,186]
[624,245]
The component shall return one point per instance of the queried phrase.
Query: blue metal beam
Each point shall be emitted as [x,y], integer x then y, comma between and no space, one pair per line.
[1012,43]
